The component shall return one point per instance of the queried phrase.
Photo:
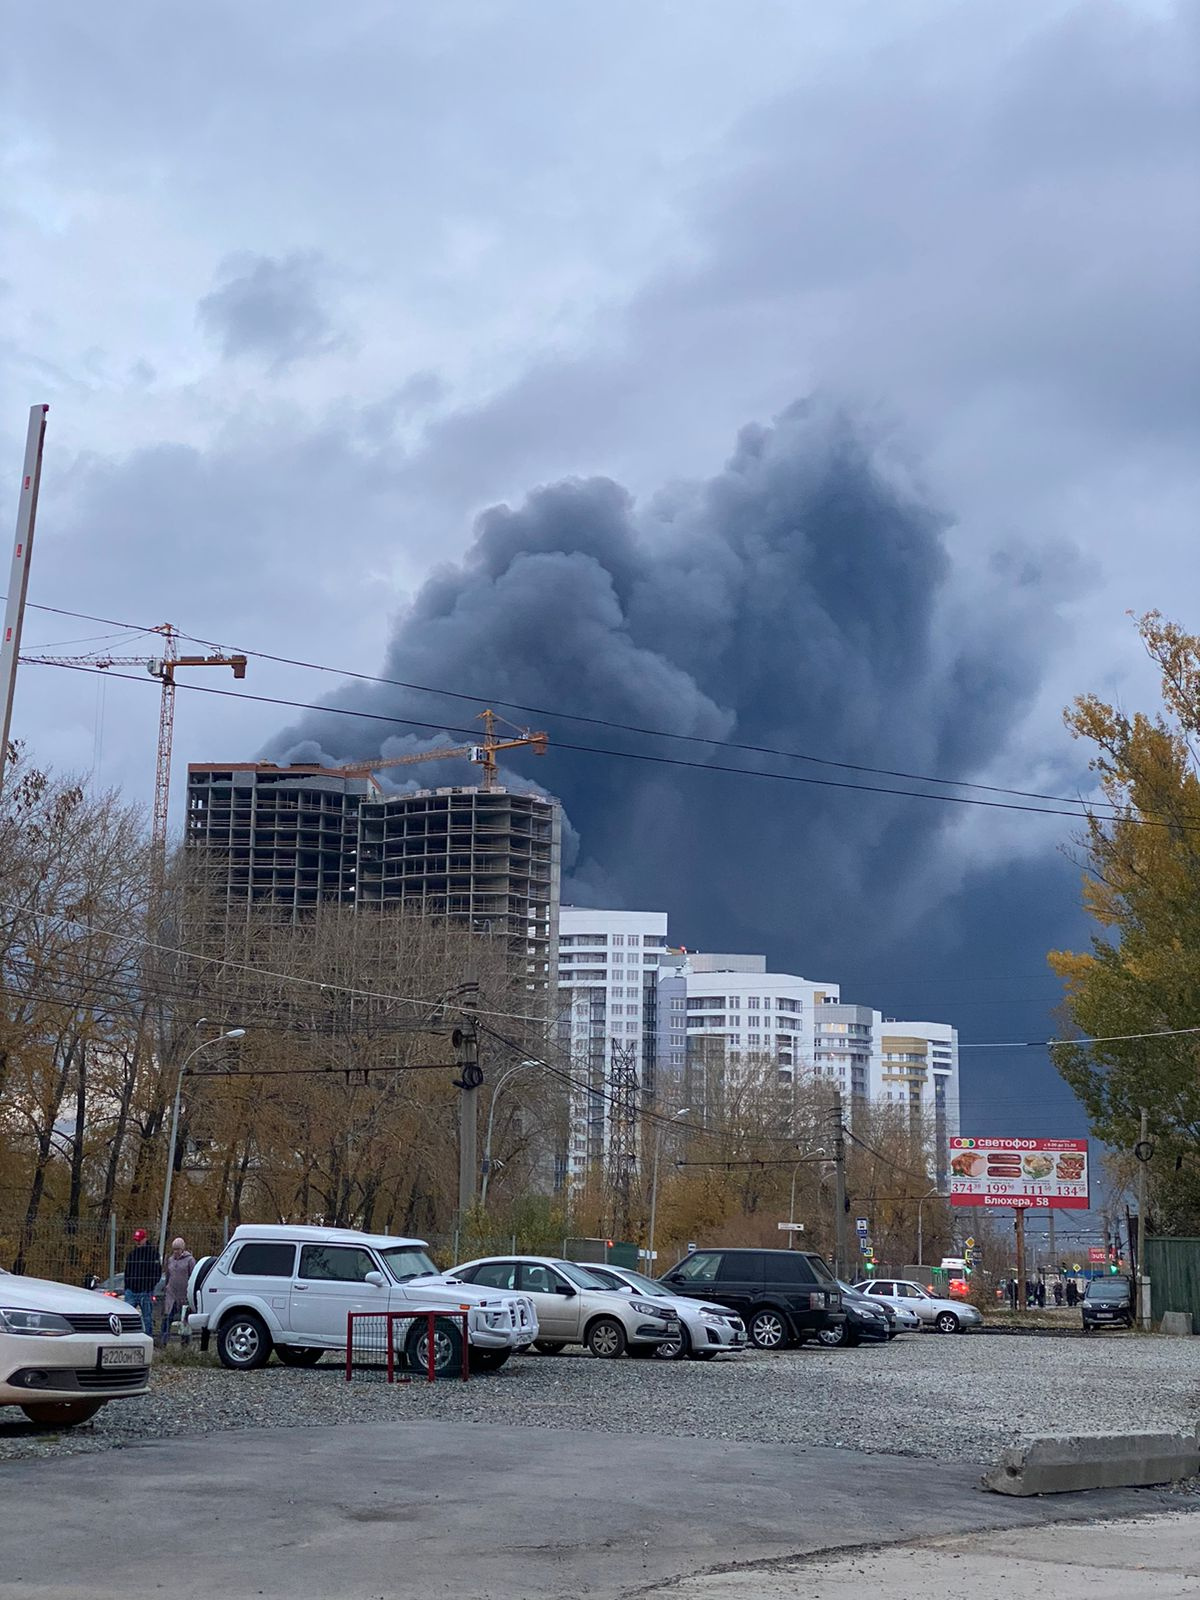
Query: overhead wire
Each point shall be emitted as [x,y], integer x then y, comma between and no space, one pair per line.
[606,722]
[645,757]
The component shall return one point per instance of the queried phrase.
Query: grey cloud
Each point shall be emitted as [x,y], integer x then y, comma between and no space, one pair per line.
[270,308]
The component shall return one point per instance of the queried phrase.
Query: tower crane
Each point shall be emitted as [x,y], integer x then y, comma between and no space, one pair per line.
[163,668]
[483,754]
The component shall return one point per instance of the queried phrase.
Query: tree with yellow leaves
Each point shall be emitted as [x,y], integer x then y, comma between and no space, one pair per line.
[1142,888]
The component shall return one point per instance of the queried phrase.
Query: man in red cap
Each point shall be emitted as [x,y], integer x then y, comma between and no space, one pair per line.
[143,1269]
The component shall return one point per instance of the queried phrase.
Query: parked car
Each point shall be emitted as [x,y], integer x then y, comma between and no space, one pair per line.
[703,1331]
[865,1319]
[66,1352]
[289,1289]
[1107,1303]
[574,1306]
[783,1296]
[947,1316]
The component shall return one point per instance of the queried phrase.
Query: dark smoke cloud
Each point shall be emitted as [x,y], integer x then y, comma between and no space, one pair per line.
[803,597]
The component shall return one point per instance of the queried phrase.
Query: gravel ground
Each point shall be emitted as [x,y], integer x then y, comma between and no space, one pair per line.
[962,1398]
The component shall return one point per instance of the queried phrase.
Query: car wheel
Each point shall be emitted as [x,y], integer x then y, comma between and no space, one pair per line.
[447,1348]
[488,1360]
[767,1330]
[296,1355]
[243,1342]
[62,1413]
[836,1336]
[548,1347]
[677,1349]
[946,1322]
[606,1338]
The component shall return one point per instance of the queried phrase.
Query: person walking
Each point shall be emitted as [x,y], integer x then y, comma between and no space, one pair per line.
[143,1268]
[177,1270]
[1058,1292]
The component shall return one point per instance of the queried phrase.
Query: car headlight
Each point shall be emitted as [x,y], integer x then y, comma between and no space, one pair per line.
[712,1316]
[46,1324]
[643,1309]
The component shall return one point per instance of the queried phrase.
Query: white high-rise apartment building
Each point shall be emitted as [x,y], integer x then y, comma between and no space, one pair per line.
[918,1068]
[629,1000]
[608,981]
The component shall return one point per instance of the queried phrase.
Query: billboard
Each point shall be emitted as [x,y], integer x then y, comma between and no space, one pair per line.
[1019,1173]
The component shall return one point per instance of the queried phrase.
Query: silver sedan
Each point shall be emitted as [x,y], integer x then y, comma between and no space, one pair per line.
[704,1331]
[947,1316]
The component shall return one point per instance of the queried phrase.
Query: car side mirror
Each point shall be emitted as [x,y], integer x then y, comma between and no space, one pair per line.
[566,1291]
[376,1280]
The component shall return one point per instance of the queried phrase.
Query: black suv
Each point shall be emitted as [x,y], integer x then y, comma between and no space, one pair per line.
[1107,1303]
[783,1296]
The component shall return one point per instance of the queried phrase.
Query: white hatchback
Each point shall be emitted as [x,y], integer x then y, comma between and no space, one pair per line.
[66,1352]
[292,1289]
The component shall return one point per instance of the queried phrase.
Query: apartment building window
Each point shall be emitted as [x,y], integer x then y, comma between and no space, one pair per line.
[635,938]
[752,1002]
[618,958]
[784,1004]
[618,938]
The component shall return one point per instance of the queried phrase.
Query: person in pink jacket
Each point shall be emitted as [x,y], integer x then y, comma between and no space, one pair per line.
[177,1269]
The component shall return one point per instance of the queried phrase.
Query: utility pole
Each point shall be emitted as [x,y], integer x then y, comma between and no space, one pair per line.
[18,580]
[465,1040]
[1022,1298]
[1051,1244]
[841,1261]
[1143,1153]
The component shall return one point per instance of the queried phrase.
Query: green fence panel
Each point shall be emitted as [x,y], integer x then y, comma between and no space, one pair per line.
[1174,1268]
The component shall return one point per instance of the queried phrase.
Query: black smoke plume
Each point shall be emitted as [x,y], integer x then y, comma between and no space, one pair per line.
[804,598]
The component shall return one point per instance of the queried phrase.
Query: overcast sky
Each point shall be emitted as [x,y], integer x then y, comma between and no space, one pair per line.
[308,289]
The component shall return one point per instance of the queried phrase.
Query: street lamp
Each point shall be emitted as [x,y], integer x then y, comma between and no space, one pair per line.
[933,1194]
[231,1033]
[682,1112]
[820,1151]
[510,1072]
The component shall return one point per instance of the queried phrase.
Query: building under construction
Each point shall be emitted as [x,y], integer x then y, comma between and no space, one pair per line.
[296,836]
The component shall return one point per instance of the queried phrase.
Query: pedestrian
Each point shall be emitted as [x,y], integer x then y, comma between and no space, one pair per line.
[1058,1292]
[143,1268]
[177,1270]
[1012,1293]
[1072,1293]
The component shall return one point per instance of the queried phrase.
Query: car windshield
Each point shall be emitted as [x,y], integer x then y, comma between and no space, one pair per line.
[1107,1289]
[407,1261]
[645,1285]
[580,1276]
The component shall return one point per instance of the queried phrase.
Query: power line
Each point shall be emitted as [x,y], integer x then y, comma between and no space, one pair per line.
[633,755]
[1054,1044]
[606,722]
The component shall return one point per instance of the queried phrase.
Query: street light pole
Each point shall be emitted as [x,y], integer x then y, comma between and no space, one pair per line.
[510,1072]
[920,1223]
[654,1185]
[231,1033]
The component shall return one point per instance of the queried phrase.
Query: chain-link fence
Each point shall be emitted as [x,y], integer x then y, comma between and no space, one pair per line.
[74,1251]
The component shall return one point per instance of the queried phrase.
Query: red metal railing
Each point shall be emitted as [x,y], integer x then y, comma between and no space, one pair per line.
[390,1318]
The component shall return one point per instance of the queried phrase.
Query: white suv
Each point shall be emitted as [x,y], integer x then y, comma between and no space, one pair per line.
[66,1352]
[573,1307]
[289,1289]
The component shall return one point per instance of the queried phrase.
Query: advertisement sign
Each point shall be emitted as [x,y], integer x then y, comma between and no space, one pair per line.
[1019,1173]
[1097,1255]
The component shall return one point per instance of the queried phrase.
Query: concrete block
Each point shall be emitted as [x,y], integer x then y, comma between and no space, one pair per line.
[1071,1462]
[1176,1322]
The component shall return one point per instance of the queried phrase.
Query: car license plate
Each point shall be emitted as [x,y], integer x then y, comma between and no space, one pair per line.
[113,1355]
[1103,1316]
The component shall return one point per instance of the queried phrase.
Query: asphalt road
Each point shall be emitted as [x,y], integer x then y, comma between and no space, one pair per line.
[450,1509]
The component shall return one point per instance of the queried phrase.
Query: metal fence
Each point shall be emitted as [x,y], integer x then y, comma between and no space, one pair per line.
[74,1251]
[1174,1269]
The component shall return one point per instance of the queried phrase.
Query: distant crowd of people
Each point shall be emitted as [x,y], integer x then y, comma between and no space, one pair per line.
[1036,1292]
